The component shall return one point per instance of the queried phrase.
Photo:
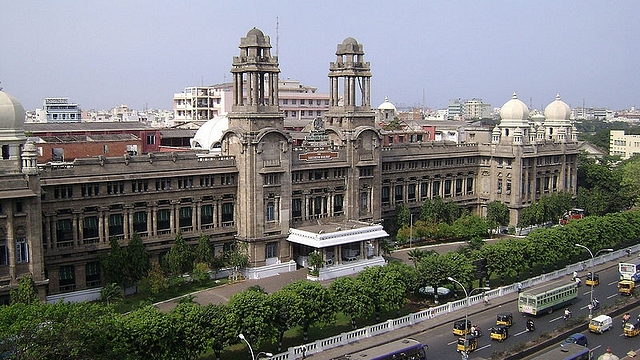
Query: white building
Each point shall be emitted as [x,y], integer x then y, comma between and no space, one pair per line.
[58,110]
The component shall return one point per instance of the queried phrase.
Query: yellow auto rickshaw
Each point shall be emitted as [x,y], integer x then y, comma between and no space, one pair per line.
[626,287]
[631,328]
[504,319]
[460,329]
[499,332]
[467,343]
[592,279]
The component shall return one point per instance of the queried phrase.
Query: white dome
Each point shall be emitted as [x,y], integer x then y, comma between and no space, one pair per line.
[386,105]
[11,118]
[11,112]
[514,110]
[210,133]
[558,110]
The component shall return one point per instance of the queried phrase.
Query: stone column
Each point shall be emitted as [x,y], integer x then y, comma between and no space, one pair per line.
[74,227]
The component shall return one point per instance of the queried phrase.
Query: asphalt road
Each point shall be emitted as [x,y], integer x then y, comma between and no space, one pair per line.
[442,343]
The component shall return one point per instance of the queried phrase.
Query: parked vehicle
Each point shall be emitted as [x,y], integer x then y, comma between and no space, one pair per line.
[600,324]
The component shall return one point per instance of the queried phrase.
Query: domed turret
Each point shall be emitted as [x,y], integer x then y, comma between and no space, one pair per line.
[11,116]
[557,111]
[514,110]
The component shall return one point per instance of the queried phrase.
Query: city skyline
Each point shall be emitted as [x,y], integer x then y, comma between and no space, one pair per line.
[102,54]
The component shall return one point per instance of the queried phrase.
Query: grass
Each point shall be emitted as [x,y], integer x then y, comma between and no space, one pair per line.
[134,301]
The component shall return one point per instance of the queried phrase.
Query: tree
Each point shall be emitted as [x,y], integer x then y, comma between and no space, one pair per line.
[111,293]
[253,316]
[204,253]
[147,333]
[237,257]
[403,215]
[74,331]
[415,255]
[218,327]
[26,292]
[350,296]
[384,286]
[317,301]
[113,263]
[137,260]
[289,307]
[497,214]
[179,259]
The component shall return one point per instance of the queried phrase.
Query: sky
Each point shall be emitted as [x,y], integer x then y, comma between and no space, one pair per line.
[423,53]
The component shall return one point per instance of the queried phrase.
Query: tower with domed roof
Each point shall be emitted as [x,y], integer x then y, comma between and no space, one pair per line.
[261,148]
[530,156]
[557,122]
[20,206]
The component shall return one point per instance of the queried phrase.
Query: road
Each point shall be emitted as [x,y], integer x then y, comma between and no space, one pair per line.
[613,339]
[442,342]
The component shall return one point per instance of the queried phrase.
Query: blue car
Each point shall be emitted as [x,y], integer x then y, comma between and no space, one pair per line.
[576,338]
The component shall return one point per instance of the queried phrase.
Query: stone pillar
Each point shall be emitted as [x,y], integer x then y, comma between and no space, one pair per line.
[74,227]
[81,276]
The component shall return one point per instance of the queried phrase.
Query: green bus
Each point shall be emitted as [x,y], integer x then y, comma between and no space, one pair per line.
[546,298]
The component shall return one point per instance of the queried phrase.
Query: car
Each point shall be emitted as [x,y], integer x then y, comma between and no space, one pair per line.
[428,290]
[600,324]
[576,338]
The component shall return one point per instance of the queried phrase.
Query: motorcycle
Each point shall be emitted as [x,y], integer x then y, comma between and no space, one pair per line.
[530,326]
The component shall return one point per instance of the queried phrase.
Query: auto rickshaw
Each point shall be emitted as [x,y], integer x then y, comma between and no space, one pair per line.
[499,332]
[592,279]
[504,319]
[459,327]
[631,328]
[626,287]
[467,343]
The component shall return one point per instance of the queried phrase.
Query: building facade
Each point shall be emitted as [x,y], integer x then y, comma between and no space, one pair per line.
[623,145]
[58,110]
[329,187]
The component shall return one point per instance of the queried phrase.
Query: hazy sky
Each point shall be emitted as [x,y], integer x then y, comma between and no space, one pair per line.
[140,52]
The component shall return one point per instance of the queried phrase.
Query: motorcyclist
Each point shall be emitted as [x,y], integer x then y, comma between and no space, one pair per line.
[575,275]
[530,325]
[476,330]
[625,318]
[595,303]
[567,313]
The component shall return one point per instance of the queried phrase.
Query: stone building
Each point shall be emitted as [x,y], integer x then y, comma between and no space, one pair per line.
[328,188]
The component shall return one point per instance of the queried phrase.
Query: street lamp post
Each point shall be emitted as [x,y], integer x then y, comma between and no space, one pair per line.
[253,357]
[592,274]
[465,354]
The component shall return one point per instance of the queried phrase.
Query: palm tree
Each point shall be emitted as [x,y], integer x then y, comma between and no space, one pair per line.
[415,255]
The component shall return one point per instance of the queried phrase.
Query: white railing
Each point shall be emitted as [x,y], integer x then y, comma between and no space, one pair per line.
[296,352]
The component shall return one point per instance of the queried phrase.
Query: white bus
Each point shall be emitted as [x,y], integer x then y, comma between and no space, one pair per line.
[629,271]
